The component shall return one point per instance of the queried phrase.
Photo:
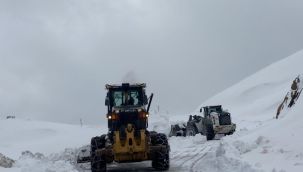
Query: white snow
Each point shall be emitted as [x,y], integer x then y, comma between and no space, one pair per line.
[260,144]
[46,138]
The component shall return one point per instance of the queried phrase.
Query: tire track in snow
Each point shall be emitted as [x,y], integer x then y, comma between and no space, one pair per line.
[186,159]
[176,155]
[199,158]
[191,157]
[180,155]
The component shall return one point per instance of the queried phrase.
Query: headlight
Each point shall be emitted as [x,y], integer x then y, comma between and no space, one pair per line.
[143,114]
[113,116]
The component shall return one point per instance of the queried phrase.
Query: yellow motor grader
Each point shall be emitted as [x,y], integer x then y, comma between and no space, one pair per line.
[128,139]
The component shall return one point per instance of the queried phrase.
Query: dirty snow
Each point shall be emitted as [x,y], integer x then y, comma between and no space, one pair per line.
[6,162]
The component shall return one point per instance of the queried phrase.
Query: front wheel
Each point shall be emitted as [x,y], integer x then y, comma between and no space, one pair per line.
[160,160]
[98,163]
[210,133]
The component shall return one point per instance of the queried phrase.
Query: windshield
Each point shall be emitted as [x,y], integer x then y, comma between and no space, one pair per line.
[126,98]
[217,109]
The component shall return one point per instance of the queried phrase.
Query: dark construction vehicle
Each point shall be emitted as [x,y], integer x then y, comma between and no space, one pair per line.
[128,139]
[215,121]
[178,130]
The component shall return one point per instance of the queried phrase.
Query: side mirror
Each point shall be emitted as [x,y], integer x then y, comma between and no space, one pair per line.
[106,101]
[201,110]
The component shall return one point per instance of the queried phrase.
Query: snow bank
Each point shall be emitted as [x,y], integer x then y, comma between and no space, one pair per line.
[45,137]
[224,158]
[60,162]
[22,137]
[6,162]
[161,122]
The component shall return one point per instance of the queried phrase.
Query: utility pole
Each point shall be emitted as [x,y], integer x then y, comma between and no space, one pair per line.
[81,122]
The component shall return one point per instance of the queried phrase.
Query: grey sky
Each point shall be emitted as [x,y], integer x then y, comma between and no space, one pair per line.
[57,55]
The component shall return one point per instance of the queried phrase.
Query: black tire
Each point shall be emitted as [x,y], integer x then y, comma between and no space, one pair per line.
[231,133]
[160,159]
[98,163]
[210,134]
[191,130]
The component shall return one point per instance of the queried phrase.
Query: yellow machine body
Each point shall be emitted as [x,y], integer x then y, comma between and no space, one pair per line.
[130,149]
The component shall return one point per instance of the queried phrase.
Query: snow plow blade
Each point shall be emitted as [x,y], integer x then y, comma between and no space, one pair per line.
[84,155]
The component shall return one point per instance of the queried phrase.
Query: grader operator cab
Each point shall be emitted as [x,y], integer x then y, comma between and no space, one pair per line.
[128,139]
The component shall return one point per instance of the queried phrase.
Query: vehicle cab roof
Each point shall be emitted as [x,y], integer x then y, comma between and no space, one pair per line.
[125,85]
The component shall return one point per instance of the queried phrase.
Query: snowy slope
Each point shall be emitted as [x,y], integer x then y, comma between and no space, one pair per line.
[253,103]
[262,92]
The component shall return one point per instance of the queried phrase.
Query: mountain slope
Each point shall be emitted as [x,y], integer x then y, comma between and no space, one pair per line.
[263,91]
[266,143]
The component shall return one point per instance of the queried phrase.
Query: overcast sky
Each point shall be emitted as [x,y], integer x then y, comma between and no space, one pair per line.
[57,55]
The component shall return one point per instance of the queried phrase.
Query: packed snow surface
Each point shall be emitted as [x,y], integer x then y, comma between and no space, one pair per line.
[260,144]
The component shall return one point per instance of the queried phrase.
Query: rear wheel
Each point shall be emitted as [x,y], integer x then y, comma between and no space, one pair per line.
[161,157]
[98,163]
[231,132]
[210,134]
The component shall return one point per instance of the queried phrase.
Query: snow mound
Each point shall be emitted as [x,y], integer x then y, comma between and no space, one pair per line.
[224,158]
[6,162]
[162,122]
[29,162]
[49,140]
[58,162]
[43,137]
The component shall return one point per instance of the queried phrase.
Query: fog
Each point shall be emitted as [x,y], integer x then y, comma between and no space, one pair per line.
[56,56]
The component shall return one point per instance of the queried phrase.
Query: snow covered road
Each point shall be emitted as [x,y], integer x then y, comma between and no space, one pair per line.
[182,158]
[192,154]
[235,153]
